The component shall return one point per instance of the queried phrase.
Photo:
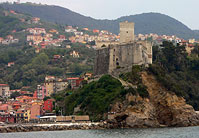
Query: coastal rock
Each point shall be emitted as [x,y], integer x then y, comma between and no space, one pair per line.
[171,110]
[162,108]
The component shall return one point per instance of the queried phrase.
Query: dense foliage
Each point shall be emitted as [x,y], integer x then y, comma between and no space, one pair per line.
[177,71]
[30,68]
[144,23]
[94,98]
[134,77]
[7,24]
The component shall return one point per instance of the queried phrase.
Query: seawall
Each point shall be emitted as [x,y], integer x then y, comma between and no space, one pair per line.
[50,127]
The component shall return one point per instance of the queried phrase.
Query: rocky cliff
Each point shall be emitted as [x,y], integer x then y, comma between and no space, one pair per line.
[162,108]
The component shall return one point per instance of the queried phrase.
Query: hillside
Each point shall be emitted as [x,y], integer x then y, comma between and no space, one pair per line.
[144,23]
[31,67]
[196,31]
[7,24]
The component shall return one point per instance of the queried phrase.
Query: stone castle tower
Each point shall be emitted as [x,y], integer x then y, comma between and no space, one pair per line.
[126,32]
[120,57]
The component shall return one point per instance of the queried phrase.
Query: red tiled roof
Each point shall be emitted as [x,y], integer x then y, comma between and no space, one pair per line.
[3,84]
[19,112]
[50,100]
[73,78]
[4,107]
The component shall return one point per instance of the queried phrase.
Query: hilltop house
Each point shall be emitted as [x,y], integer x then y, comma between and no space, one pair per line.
[74,54]
[70,29]
[11,64]
[35,20]
[75,82]
[36,31]
[4,90]
[53,31]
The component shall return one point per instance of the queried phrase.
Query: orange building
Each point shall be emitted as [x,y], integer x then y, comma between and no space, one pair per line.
[36,111]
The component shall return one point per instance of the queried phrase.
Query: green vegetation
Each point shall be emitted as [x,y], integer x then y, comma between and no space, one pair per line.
[144,23]
[94,98]
[134,78]
[30,68]
[7,24]
[14,95]
[177,71]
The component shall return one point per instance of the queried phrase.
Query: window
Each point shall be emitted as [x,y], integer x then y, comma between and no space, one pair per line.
[117,63]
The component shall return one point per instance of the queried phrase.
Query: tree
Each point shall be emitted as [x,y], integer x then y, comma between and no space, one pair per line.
[14,95]
[41,59]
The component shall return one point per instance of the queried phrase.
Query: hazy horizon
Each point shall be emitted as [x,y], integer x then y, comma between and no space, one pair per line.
[181,10]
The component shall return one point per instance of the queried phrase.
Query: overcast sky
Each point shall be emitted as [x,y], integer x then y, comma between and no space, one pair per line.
[185,11]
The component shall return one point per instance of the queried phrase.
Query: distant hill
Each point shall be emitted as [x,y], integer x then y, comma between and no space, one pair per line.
[196,31]
[7,24]
[144,23]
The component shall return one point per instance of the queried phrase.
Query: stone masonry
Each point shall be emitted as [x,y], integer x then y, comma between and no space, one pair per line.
[128,52]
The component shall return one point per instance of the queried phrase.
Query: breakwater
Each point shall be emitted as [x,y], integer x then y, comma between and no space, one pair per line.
[50,127]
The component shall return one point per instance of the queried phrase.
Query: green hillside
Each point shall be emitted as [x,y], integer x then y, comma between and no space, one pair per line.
[30,67]
[7,24]
[95,98]
[144,23]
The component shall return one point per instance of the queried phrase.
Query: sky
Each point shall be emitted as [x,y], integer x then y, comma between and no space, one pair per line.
[186,11]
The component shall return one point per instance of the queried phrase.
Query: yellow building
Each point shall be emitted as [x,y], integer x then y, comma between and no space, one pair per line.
[27,115]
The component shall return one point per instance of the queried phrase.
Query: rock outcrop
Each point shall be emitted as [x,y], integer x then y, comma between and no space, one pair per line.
[162,108]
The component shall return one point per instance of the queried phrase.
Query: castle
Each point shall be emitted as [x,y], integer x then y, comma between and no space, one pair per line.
[121,56]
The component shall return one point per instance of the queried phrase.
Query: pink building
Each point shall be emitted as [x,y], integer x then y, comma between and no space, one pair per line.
[41,92]
[36,111]
[4,108]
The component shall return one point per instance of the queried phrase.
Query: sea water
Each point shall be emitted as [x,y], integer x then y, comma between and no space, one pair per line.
[181,132]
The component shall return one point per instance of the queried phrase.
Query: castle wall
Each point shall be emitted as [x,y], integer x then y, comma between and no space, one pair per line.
[123,56]
[120,56]
[147,48]
[99,44]
[137,54]
[101,61]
